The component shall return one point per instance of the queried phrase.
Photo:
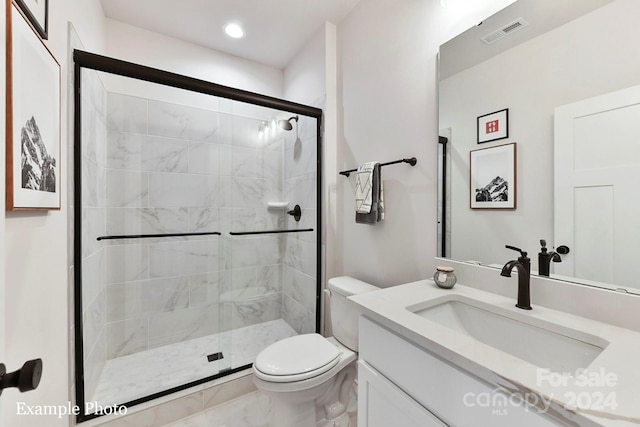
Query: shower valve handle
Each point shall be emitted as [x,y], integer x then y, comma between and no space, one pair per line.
[296,212]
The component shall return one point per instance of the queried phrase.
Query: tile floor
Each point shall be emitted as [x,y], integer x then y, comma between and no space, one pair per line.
[251,410]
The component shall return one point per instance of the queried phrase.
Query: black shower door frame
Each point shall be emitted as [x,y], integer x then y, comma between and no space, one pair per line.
[105,64]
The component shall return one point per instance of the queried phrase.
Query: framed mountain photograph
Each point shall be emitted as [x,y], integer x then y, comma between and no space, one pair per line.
[493,177]
[33,119]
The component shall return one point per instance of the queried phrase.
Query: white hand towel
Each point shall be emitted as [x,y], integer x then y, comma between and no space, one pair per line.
[364,187]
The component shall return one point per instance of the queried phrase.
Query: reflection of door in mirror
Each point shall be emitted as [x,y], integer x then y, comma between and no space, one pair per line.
[597,170]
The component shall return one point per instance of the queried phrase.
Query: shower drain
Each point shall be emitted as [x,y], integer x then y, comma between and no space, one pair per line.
[215,356]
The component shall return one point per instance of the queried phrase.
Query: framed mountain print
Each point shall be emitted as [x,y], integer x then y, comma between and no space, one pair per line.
[493,177]
[33,119]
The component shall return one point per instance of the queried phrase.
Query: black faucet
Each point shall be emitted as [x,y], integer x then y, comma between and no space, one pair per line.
[523,264]
[545,258]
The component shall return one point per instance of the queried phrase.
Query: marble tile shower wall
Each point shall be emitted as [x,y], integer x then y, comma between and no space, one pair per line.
[171,169]
[299,265]
[93,218]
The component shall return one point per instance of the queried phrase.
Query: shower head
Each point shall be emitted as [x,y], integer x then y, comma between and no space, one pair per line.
[286,124]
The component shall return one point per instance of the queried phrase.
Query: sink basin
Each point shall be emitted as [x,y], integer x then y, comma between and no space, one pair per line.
[545,345]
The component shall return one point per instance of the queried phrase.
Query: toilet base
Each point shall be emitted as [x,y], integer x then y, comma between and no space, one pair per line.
[333,404]
[342,421]
[284,414]
[324,405]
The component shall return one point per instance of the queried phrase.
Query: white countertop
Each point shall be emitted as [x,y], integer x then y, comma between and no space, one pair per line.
[620,358]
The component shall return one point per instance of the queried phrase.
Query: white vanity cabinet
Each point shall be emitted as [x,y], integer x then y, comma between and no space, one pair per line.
[402,384]
[382,404]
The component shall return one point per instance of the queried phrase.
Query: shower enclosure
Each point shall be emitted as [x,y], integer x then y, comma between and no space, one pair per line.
[195,229]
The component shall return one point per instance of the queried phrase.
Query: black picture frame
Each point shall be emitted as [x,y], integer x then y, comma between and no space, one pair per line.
[493,126]
[33,117]
[37,17]
[492,177]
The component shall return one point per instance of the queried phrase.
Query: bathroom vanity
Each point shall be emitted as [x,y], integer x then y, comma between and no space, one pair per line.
[426,385]
[460,357]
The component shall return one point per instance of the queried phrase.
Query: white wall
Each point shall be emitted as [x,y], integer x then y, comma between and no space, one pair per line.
[304,76]
[36,260]
[330,176]
[560,72]
[166,53]
[387,88]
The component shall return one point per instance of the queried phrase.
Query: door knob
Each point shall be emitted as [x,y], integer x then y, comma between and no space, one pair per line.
[26,378]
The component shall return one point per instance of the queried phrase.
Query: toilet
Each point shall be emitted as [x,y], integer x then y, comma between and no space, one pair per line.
[309,377]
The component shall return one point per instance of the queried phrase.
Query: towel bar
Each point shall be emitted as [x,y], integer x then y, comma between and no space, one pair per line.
[412,161]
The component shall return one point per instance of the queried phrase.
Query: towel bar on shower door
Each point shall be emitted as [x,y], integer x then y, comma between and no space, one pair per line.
[153,236]
[247,233]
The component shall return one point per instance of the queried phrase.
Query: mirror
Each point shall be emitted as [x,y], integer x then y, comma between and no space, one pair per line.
[543,58]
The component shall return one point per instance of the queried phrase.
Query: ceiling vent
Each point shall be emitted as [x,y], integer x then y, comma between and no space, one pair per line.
[506,30]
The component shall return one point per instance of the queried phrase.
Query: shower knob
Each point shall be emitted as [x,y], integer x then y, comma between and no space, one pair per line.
[296,212]
[26,378]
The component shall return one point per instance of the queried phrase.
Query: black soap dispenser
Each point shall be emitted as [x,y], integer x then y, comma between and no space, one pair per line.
[544,259]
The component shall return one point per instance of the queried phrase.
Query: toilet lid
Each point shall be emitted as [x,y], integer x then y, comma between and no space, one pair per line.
[297,355]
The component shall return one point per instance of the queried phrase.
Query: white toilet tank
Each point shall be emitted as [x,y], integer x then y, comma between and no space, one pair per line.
[344,313]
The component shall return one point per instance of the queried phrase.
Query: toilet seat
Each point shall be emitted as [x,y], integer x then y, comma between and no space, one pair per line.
[296,359]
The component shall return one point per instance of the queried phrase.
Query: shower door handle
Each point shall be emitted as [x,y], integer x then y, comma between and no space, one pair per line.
[26,378]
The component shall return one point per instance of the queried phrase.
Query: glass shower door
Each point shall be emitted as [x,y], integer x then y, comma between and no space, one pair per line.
[152,252]
[187,260]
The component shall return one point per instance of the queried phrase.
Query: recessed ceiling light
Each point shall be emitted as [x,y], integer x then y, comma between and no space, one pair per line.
[234,31]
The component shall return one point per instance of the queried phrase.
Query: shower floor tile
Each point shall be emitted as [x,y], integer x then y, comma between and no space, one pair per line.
[141,374]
